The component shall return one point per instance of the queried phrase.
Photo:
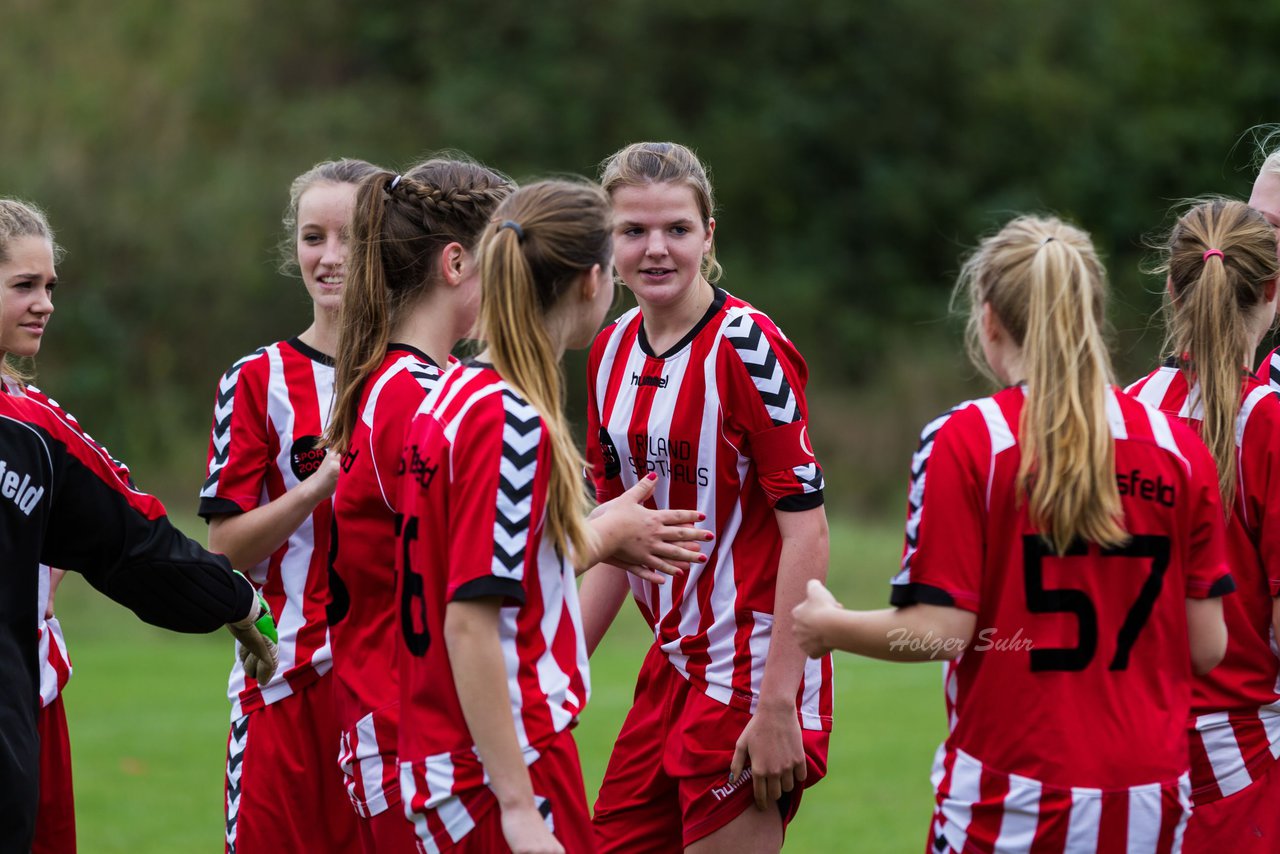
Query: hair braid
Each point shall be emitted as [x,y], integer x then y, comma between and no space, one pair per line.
[400,227]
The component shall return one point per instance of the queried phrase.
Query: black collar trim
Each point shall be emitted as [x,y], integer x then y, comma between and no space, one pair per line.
[717,303]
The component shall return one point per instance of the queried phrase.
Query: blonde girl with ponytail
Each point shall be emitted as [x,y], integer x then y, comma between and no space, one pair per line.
[493,528]
[1065,554]
[1220,272]
[412,293]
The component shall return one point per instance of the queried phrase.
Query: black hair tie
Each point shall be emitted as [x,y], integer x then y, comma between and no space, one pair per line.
[514,226]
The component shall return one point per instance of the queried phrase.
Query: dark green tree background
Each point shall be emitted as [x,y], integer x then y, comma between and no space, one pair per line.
[856,148]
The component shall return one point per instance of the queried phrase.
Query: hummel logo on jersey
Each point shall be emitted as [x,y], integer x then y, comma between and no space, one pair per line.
[349,458]
[1138,486]
[521,433]
[658,382]
[18,489]
[722,792]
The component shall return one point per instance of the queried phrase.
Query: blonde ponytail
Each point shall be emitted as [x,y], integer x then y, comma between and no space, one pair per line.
[541,241]
[1045,284]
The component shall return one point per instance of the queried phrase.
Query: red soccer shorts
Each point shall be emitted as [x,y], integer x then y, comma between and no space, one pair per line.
[56,818]
[667,784]
[1247,822]
[557,790]
[284,791]
[388,832]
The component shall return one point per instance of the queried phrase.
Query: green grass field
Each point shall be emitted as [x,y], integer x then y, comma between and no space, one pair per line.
[148,720]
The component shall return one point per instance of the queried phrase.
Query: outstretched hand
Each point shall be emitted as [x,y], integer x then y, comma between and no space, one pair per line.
[648,543]
[809,617]
[258,638]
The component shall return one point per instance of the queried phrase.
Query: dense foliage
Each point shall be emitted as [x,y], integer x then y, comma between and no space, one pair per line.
[856,149]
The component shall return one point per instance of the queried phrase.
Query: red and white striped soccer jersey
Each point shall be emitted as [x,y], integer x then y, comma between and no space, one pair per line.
[363,612]
[1235,735]
[1068,710]
[473,503]
[271,408]
[722,420]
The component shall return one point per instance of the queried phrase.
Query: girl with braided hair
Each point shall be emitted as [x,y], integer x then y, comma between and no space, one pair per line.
[494,527]
[267,499]
[412,292]
[1220,266]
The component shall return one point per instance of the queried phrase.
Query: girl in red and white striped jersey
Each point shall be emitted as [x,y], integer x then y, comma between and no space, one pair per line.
[412,292]
[267,500]
[706,391]
[1221,266]
[493,530]
[1065,550]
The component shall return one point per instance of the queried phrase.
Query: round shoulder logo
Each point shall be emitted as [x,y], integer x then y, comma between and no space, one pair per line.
[804,440]
[305,457]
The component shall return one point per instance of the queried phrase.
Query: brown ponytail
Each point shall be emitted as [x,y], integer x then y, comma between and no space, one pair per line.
[1210,297]
[399,226]
[541,240]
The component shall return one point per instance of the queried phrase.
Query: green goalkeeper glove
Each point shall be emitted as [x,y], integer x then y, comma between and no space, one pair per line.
[257,639]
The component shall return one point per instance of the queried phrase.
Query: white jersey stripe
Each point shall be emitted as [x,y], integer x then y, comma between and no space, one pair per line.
[1164,435]
[511,661]
[966,789]
[552,679]
[1156,386]
[1242,422]
[1144,819]
[451,429]
[1220,745]
[812,692]
[1021,815]
[1086,818]
[1115,418]
[1270,716]
[409,793]
[999,431]
[375,797]
[722,634]
[660,417]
